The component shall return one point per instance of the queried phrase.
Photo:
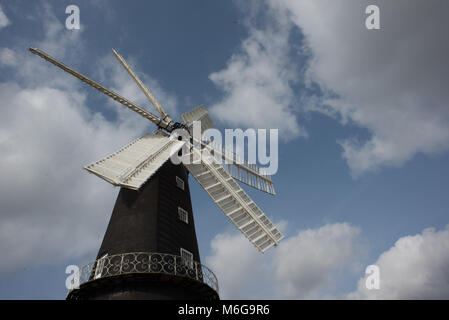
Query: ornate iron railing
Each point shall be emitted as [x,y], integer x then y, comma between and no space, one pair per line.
[147,262]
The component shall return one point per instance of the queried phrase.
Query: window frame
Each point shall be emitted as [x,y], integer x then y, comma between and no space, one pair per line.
[180,181]
[99,266]
[186,261]
[183,213]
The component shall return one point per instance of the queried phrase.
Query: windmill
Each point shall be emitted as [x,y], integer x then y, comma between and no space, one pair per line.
[148,250]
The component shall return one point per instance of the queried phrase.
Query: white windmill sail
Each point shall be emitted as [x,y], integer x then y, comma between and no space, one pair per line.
[235,203]
[240,169]
[134,164]
[197,114]
[237,167]
[145,90]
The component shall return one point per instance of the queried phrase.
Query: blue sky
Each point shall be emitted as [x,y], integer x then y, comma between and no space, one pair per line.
[363,153]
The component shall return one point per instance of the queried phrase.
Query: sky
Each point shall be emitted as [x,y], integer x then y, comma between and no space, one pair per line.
[363,122]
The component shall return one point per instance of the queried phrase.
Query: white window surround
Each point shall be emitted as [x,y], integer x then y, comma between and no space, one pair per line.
[187,258]
[179,183]
[183,215]
[99,267]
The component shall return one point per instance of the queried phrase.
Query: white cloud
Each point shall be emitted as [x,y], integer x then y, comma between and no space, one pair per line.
[4,21]
[257,84]
[390,81]
[305,264]
[7,57]
[312,264]
[233,267]
[52,210]
[416,267]
[301,267]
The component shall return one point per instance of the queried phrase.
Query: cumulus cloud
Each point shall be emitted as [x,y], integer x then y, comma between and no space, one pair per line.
[7,57]
[51,209]
[234,268]
[257,83]
[303,266]
[312,265]
[391,81]
[416,267]
[4,21]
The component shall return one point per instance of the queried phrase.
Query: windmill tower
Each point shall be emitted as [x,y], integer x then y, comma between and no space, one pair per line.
[150,249]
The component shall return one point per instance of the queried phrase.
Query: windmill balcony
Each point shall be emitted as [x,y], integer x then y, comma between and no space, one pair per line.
[146,264]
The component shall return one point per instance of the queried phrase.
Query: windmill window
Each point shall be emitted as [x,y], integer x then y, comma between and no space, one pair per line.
[99,267]
[183,215]
[179,183]
[187,258]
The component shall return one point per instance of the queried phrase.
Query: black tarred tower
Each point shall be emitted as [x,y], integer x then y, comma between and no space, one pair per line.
[145,251]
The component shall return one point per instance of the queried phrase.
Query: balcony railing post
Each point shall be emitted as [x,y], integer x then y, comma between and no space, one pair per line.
[174,257]
[121,263]
[196,270]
